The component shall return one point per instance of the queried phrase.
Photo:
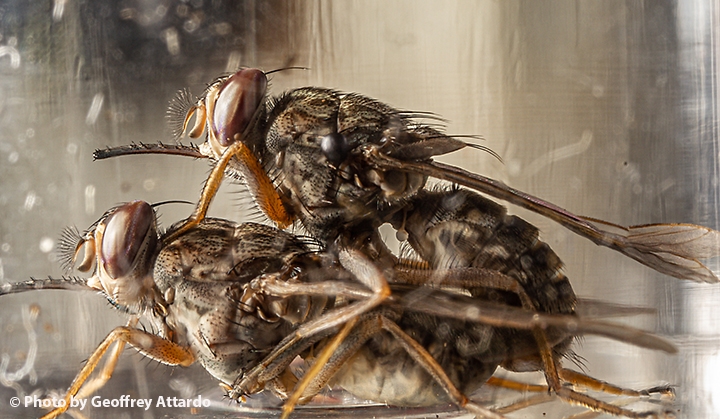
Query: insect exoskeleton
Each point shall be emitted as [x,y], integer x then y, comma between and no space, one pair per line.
[340,165]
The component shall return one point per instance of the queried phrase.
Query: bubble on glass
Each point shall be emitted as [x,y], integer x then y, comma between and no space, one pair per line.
[191,25]
[514,167]
[71,148]
[161,11]
[58,10]
[223,28]
[182,10]
[125,187]
[127,14]
[95,108]
[13,157]
[47,244]
[234,61]
[90,199]
[149,184]
[172,40]
[560,153]
[667,184]
[30,201]
[13,53]
[575,183]
[598,91]
[29,317]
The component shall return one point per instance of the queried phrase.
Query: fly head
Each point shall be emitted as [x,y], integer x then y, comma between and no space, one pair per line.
[121,246]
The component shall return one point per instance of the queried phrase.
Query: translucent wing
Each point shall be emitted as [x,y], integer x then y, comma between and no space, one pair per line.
[595,309]
[672,249]
[444,304]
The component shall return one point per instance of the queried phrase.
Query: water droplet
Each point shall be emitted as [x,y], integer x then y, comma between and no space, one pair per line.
[47,244]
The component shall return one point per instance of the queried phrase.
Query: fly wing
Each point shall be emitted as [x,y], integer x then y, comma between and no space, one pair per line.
[450,305]
[596,309]
[672,249]
[685,239]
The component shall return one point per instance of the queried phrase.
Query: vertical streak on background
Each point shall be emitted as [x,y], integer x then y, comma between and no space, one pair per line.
[698,34]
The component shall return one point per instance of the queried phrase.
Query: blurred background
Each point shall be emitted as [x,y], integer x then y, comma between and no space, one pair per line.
[606,108]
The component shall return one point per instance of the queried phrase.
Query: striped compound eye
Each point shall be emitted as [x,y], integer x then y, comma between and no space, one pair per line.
[126,233]
[237,102]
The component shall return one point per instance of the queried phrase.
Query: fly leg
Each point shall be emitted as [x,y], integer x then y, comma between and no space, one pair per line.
[315,372]
[365,272]
[153,346]
[464,278]
[529,402]
[346,344]
[426,361]
[258,182]
[91,386]
[460,229]
[580,379]
[275,365]
[552,375]
[516,385]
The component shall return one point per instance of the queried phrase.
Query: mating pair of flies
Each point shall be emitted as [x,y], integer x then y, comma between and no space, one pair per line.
[474,289]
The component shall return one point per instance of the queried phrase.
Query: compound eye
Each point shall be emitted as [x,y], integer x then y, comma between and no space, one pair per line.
[125,233]
[239,98]
[335,147]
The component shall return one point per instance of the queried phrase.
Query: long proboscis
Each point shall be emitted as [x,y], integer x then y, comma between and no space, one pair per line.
[34,284]
[672,249]
[142,148]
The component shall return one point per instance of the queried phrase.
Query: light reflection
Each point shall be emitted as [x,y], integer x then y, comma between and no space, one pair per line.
[697,35]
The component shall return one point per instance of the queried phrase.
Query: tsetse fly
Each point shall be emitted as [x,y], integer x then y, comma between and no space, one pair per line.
[340,165]
[244,300]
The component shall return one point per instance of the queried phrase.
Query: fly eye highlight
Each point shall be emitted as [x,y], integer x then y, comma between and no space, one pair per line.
[125,235]
[238,100]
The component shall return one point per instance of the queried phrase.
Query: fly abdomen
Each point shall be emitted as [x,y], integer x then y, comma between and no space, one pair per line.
[459,228]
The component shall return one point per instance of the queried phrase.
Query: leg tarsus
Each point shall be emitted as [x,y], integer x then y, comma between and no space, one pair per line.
[580,379]
[151,345]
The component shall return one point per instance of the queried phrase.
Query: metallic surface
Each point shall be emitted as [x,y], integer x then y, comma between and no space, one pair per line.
[608,109]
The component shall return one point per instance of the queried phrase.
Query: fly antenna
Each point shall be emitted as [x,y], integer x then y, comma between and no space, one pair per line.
[69,283]
[287,68]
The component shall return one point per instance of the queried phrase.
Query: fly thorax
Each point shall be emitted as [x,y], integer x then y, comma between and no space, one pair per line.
[395,185]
